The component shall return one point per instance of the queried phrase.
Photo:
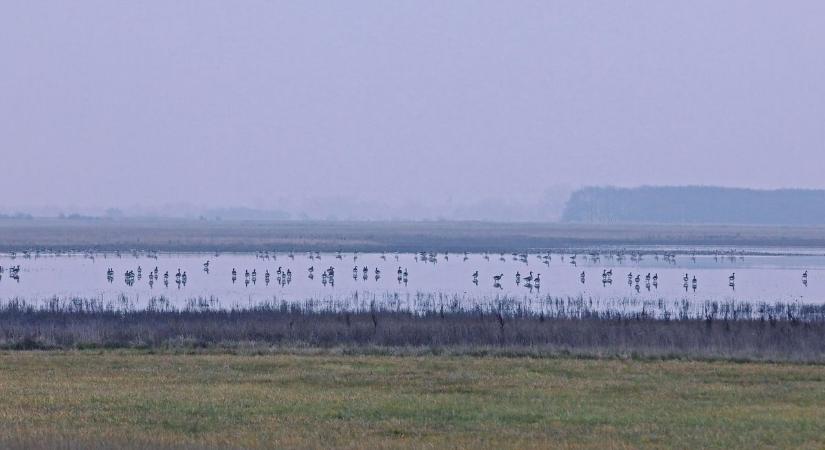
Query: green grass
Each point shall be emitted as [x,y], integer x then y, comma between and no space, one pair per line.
[133,399]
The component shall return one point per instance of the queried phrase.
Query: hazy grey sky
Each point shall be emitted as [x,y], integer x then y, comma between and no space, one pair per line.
[244,102]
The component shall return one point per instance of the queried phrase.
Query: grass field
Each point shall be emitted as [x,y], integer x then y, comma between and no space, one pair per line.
[139,400]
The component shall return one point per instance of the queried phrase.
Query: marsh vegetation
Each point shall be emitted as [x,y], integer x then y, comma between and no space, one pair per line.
[731,331]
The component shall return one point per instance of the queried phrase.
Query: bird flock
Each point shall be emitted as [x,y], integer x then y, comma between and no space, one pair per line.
[130,276]
[14,272]
[531,281]
[283,275]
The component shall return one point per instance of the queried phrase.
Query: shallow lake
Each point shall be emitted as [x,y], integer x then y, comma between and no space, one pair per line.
[758,278]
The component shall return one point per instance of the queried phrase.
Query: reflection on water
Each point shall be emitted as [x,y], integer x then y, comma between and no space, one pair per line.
[245,279]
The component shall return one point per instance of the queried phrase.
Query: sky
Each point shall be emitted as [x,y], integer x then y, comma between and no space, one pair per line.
[404,104]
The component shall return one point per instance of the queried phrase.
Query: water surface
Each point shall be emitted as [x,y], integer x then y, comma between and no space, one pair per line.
[762,278]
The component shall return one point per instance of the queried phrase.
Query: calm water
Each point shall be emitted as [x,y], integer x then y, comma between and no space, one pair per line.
[758,278]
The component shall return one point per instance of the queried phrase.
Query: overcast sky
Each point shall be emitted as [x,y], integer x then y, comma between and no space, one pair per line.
[241,103]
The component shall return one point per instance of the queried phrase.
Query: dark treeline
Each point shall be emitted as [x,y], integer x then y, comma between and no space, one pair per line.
[782,334]
[695,205]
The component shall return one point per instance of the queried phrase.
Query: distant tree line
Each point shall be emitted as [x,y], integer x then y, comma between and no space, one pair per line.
[696,204]
[16,216]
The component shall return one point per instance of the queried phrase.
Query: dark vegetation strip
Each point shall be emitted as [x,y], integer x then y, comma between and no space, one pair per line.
[202,236]
[783,337]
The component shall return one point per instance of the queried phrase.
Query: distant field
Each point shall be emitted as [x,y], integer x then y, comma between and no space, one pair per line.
[193,235]
[128,399]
